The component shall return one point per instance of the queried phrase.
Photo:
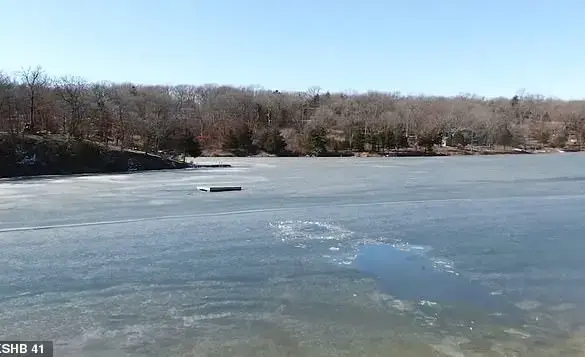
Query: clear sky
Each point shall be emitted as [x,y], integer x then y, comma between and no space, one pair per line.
[442,47]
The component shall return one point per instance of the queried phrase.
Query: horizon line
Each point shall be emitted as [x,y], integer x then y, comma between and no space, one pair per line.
[521,92]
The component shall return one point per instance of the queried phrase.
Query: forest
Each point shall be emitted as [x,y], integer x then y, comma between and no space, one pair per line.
[215,119]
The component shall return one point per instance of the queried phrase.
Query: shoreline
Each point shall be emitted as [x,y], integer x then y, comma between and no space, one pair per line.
[132,161]
[441,152]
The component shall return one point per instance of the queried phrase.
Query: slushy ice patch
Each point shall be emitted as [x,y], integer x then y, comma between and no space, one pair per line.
[331,241]
[404,271]
[310,231]
[342,245]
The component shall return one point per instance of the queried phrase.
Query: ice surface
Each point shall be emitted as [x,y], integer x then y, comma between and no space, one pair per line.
[142,264]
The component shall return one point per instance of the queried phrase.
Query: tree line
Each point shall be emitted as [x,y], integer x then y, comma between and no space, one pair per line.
[248,120]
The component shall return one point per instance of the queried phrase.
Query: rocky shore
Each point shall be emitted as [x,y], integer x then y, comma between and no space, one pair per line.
[36,156]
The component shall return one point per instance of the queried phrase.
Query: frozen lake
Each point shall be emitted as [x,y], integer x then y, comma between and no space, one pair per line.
[468,256]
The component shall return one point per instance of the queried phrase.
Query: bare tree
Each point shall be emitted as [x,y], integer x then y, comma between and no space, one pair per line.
[124,116]
[8,120]
[101,109]
[35,79]
[164,118]
[73,92]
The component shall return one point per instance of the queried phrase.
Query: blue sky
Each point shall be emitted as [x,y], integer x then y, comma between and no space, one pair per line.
[442,47]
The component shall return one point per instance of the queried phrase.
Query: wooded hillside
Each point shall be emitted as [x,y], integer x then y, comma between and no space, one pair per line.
[247,120]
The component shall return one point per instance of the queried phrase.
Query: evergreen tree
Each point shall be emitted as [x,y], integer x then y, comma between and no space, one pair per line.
[240,141]
[191,146]
[318,140]
[273,142]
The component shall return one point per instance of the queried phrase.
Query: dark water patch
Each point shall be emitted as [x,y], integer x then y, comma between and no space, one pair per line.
[560,179]
[411,276]
[476,184]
